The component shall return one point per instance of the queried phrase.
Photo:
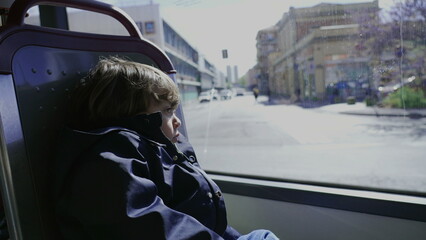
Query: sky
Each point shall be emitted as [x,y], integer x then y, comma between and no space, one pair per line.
[213,25]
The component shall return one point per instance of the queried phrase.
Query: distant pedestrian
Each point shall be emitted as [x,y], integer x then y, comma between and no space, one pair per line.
[255,93]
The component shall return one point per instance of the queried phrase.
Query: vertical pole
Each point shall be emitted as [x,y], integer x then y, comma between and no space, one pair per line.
[3,15]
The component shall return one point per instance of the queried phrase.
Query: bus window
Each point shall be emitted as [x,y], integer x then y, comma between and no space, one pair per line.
[310,102]
[340,86]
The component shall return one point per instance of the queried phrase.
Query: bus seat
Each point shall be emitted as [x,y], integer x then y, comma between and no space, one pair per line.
[38,68]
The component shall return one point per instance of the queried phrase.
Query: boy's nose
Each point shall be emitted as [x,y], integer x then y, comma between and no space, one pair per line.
[176,122]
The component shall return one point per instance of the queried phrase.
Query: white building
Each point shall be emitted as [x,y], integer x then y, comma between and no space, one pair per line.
[194,73]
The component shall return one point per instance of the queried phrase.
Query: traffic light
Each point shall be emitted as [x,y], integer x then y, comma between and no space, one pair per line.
[225,53]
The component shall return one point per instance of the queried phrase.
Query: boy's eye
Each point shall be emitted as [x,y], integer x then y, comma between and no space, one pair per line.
[170,111]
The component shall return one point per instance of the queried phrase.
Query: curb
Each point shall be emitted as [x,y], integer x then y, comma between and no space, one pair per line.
[413,115]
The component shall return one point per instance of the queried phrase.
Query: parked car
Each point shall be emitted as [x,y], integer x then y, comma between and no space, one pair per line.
[225,94]
[207,96]
[240,91]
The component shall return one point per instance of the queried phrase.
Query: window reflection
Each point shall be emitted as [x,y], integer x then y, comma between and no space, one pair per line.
[342,101]
[341,85]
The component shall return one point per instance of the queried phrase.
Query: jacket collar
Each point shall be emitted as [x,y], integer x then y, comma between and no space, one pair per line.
[148,125]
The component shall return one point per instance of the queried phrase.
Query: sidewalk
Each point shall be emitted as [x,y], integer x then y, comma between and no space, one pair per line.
[362,109]
[359,108]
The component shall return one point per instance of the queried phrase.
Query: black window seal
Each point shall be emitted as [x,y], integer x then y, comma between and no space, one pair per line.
[369,201]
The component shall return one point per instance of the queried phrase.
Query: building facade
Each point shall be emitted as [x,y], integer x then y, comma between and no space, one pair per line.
[194,72]
[207,74]
[185,59]
[266,44]
[316,52]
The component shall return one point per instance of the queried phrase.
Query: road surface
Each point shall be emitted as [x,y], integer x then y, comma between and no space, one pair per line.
[290,142]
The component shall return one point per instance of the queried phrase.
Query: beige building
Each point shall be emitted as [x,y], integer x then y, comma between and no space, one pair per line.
[266,44]
[251,76]
[317,51]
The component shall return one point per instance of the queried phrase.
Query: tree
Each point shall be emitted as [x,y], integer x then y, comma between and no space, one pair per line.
[403,36]
[411,17]
[242,81]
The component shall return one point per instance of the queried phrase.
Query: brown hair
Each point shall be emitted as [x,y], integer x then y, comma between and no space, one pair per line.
[117,88]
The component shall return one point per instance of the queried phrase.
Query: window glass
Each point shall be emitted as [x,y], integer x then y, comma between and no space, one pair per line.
[78,20]
[149,27]
[4,10]
[33,16]
[140,26]
[325,92]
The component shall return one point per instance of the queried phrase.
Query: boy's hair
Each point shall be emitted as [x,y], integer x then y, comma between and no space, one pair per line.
[117,88]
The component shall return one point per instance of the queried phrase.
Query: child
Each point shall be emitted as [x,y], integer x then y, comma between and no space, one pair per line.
[119,173]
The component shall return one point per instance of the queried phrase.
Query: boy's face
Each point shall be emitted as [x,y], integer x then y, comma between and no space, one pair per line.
[170,123]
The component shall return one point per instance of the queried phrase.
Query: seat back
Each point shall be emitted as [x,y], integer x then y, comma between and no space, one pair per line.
[38,69]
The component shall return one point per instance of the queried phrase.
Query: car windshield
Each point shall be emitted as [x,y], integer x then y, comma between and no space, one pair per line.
[323,92]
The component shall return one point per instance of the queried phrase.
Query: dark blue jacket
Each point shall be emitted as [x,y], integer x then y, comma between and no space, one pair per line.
[130,182]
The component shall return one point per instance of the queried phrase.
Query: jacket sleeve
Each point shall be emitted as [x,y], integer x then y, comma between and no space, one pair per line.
[186,148]
[111,202]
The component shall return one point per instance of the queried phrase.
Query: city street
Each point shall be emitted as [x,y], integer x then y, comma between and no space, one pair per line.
[315,144]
